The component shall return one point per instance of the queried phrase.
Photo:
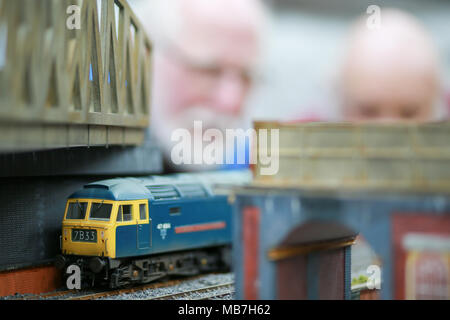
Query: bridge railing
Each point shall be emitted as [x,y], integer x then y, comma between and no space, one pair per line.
[72,73]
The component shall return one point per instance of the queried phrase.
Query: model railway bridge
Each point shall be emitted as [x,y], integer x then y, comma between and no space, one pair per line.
[75,92]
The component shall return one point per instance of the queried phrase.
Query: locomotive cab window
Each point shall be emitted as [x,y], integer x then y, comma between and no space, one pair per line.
[125,213]
[100,211]
[76,210]
[142,212]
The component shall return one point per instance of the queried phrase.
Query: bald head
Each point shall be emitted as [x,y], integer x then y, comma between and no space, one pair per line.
[390,73]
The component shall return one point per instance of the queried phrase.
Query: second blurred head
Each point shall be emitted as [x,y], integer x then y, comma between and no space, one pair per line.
[390,73]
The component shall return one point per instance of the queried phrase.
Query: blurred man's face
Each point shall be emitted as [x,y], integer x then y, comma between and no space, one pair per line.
[212,90]
[382,95]
[205,76]
[390,74]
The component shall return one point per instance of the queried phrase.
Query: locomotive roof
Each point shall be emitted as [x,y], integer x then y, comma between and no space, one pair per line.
[113,189]
[167,187]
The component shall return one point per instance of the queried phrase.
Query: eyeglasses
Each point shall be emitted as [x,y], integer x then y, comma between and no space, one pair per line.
[209,73]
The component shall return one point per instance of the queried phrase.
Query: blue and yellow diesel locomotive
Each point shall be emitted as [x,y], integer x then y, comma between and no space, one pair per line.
[136,230]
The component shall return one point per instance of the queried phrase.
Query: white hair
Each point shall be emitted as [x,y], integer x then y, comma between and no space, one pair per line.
[164,20]
[160,18]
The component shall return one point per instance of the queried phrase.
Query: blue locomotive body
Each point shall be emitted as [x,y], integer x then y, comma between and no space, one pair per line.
[193,223]
[136,230]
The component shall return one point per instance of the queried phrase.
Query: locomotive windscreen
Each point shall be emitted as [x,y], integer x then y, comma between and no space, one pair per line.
[100,211]
[76,210]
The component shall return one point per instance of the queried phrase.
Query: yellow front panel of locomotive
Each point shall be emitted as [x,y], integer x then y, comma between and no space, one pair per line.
[105,232]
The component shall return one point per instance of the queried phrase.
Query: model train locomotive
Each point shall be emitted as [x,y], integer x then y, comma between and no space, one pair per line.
[136,230]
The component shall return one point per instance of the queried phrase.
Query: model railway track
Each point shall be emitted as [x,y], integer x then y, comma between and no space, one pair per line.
[48,295]
[216,295]
[187,294]
[106,294]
